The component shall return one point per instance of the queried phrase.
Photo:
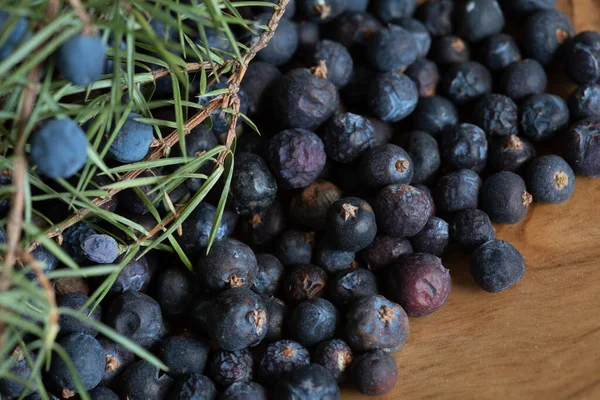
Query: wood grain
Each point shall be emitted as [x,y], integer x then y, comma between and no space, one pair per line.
[539,339]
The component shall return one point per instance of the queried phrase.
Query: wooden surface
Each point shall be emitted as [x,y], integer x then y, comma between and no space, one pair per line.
[541,338]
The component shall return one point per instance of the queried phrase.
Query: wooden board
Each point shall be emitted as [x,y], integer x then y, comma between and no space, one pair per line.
[539,339]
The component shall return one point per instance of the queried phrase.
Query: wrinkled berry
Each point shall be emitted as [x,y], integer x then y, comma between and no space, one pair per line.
[244,390]
[584,102]
[499,51]
[458,190]
[228,367]
[347,137]
[401,210]
[465,146]
[252,188]
[504,197]
[478,19]
[426,75]
[433,238]
[466,82]
[311,381]
[392,48]
[392,96]
[196,229]
[510,153]
[303,282]
[582,57]
[355,28]
[281,358]
[471,228]
[384,251]
[419,33]
[194,387]
[550,179]
[435,115]
[543,116]
[135,276]
[351,284]
[582,147]
[496,265]
[497,115]
[336,356]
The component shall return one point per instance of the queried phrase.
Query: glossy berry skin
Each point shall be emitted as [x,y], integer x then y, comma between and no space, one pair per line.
[277,319]
[132,143]
[433,238]
[582,147]
[426,76]
[478,19]
[303,282]
[260,76]
[375,322]
[393,10]
[19,367]
[522,79]
[59,148]
[497,115]
[544,34]
[309,208]
[353,29]
[347,137]
[194,387]
[102,393]
[87,357]
[384,251]
[143,380]
[336,356]
[101,249]
[504,197]
[314,321]
[175,289]
[244,390]
[550,179]
[351,224]
[284,43]
[351,284]
[435,115]
[457,191]
[425,156]
[392,96]
[321,11]
[471,228]
[337,59]
[69,324]
[543,116]
[392,48]
[253,188]
[496,265]
[184,355]
[449,49]
[437,15]
[295,247]
[375,373]
[401,210]
[510,153]
[196,229]
[582,57]
[465,146]
[269,276]
[263,228]
[81,59]
[237,319]
[117,358]
[466,82]
[584,102]
[281,358]
[499,51]
[311,381]
[135,276]
[136,316]
[419,283]
[384,165]
[333,260]
[228,367]
[296,157]
[303,100]
[19,32]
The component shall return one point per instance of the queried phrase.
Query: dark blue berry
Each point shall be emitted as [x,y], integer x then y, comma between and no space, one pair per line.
[136,316]
[311,381]
[184,355]
[18,367]
[393,96]
[351,224]
[18,33]
[425,156]
[337,60]
[333,260]
[297,157]
[259,78]
[102,393]
[102,249]
[465,146]
[419,283]
[522,79]
[544,34]
[373,323]
[457,191]
[309,208]
[174,291]
[336,356]
[135,276]
[194,387]
[584,102]
[499,51]
[384,165]
[466,82]
[347,137]
[582,147]
[393,10]
[419,33]
[70,324]
[401,210]
[496,265]
[117,357]
[81,59]
[196,229]
[303,282]
[268,278]
[262,228]
[384,251]
[350,285]
[435,115]
[478,19]
[510,153]
[550,179]
[244,390]
[497,115]
[73,237]
[308,36]
[449,49]
[437,15]
[252,187]
[237,319]
[281,358]
[144,381]
[392,49]
[228,367]
[282,45]
[357,5]
[543,116]
[87,358]
[277,319]
[314,321]
[375,373]
[48,261]
[132,142]
[520,8]
[295,247]
[582,58]
[471,228]
[504,197]
[433,238]
[354,29]
[426,75]
[321,11]
[59,148]
[219,119]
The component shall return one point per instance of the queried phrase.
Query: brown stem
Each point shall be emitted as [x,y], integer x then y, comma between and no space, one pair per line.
[88,27]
